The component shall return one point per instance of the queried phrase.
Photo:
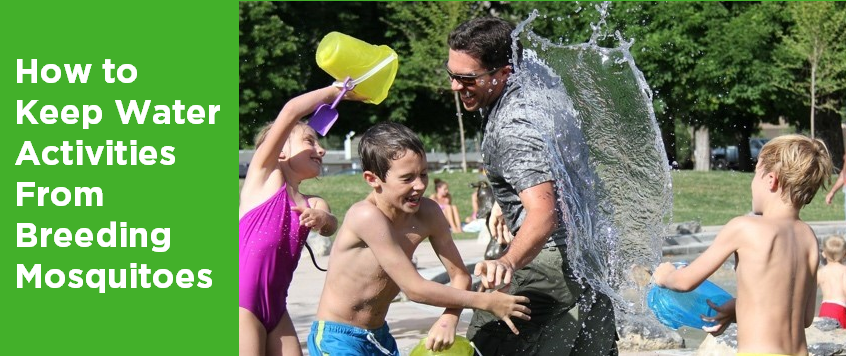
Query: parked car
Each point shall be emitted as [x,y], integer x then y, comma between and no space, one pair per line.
[727,157]
[242,169]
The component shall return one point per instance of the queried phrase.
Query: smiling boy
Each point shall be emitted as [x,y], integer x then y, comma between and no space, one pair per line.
[371,257]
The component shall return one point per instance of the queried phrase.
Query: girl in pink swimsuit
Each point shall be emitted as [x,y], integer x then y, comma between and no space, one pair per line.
[274,219]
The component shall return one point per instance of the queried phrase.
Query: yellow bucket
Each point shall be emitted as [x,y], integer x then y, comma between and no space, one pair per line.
[461,347]
[372,68]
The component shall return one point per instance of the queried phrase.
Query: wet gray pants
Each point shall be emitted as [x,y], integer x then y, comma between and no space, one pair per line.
[568,317]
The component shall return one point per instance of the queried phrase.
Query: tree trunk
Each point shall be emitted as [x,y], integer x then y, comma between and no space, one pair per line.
[832,134]
[813,94]
[702,149]
[744,154]
[668,135]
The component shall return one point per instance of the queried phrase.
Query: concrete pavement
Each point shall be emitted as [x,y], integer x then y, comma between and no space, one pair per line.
[411,321]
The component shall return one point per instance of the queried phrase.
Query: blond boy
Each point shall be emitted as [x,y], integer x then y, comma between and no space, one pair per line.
[776,252]
[831,279]
[371,257]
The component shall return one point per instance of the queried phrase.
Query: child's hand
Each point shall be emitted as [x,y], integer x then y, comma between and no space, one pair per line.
[349,95]
[662,272]
[442,335]
[505,306]
[316,219]
[725,316]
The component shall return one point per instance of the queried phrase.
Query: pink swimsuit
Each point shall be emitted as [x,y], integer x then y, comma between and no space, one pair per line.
[271,240]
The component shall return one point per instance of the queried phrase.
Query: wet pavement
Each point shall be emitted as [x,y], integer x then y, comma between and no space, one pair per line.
[411,321]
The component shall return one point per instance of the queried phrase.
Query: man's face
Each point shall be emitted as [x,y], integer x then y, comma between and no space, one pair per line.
[486,88]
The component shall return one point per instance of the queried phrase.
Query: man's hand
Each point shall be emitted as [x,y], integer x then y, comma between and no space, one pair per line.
[725,316]
[494,274]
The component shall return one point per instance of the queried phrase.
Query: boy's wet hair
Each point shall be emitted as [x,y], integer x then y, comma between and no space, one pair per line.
[834,247]
[802,166]
[487,39]
[262,134]
[385,142]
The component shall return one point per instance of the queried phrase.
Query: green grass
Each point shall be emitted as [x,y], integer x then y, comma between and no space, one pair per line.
[712,198]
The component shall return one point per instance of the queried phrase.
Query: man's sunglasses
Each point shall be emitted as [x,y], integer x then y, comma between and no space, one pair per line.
[464,79]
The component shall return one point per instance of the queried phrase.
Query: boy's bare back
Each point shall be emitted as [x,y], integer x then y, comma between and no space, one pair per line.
[832,281]
[776,264]
[358,291]
[777,254]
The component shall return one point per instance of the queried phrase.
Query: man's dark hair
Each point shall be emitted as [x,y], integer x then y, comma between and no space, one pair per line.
[385,142]
[486,38]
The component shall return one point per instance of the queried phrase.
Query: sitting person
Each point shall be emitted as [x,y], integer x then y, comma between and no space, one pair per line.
[444,200]
[831,279]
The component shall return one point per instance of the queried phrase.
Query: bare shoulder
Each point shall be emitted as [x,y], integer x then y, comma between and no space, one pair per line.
[429,210]
[430,214]
[744,226]
[363,212]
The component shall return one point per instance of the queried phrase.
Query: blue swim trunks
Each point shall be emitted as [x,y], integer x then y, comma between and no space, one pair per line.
[337,339]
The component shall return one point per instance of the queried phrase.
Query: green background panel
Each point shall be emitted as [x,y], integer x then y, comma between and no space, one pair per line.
[181,52]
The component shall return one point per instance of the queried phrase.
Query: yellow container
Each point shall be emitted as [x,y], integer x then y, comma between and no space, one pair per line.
[372,68]
[461,347]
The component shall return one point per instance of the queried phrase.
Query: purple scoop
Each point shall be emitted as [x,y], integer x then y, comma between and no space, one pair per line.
[325,115]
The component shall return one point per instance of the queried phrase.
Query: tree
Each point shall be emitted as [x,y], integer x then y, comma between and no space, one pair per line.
[812,63]
[670,42]
[738,66]
[419,32]
[269,70]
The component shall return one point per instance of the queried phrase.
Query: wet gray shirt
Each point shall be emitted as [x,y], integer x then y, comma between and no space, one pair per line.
[516,155]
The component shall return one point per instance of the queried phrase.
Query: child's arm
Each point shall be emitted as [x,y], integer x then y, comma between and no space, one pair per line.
[442,334]
[266,156]
[319,217]
[688,278]
[369,224]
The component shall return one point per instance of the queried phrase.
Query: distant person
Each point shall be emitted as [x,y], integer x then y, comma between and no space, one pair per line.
[841,179]
[444,200]
[481,199]
[370,260]
[776,253]
[832,280]
[274,221]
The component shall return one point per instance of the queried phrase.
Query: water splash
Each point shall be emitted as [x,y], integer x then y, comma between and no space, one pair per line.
[611,171]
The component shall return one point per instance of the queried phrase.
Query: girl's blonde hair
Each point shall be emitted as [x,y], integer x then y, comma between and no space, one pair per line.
[834,247]
[802,166]
[262,134]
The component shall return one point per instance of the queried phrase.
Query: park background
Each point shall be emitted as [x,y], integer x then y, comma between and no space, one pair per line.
[721,73]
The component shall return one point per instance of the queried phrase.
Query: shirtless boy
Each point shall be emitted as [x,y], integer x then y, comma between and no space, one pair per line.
[832,280]
[776,252]
[371,257]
